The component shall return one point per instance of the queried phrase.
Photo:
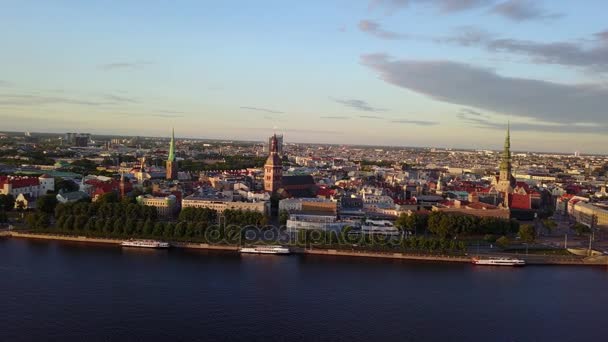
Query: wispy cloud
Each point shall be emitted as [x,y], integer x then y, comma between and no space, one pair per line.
[445,6]
[5,83]
[416,122]
[479,122]
[334,117]
[124,65]
[358,105]
[470,86]
[521,10]
[375,29]
[117,98]
[41,100]
[265,110]
[375,117]
[517,10]
[591,54]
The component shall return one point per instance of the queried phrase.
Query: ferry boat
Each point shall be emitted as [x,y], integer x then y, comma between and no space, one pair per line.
[144,243]
[499,261]
[265,250]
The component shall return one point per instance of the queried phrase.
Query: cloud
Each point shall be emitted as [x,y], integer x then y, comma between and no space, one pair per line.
[5,83]
[335,117]
[521,10]
[593,54]
[358,105]
[416,122]
[445,6]
[117,99]
[478,122]
[123,65]
[168,116]
[517,10]
[374,29]
[375,117]
[262,110]
[41,100]
[470,86]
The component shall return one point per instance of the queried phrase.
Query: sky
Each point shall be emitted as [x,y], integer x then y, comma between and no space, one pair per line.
[436,73]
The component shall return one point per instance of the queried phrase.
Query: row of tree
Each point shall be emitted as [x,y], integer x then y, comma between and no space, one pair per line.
[379,242]
[446,225]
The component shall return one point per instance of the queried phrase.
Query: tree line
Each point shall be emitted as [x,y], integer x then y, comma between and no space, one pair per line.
[449,225]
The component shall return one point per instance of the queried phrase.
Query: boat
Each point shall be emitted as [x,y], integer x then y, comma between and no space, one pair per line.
[265,250]
[144,244]
[499,261]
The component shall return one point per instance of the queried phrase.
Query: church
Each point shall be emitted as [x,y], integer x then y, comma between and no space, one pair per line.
[285,186]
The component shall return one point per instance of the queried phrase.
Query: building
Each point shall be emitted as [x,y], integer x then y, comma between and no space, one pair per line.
[171,162]
[298,222]
[273,169]
[28,186]
[593,215]
[308,205]
[78,139]
[220,203]
[166,206]
[298,186]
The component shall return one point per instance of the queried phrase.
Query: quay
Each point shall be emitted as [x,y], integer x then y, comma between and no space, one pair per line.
[601,260]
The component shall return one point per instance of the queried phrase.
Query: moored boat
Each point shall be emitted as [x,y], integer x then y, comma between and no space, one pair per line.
[144,243]
[499,261]
[265,250]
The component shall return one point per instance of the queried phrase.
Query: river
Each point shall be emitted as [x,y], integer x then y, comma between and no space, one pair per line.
[53,290]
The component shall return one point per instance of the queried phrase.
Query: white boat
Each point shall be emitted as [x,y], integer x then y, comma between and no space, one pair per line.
[499,261]
[145,244]
[265,250]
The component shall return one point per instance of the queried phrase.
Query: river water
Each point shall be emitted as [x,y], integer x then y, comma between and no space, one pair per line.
[70,291]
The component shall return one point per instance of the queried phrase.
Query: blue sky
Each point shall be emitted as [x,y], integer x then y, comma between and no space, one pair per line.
[400,72]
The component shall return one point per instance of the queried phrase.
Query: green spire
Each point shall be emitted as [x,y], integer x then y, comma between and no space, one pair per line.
[172,147]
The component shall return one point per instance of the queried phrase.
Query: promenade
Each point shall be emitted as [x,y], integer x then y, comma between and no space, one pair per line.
[530,259]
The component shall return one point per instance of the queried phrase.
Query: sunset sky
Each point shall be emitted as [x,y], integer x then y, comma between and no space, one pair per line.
[445,73]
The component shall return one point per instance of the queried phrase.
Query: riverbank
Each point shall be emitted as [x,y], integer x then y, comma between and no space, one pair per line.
[530,259]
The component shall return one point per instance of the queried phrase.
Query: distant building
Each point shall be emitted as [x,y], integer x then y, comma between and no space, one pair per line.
[171,162]
[273,169]
[220,204]
[166,206]
[78,139]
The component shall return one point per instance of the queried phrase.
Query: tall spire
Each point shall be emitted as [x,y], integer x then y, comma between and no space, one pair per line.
[505,163]
[172,147]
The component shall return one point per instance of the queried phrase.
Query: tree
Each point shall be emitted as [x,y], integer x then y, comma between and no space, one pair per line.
[109,197]
[581,229]
[503,242]
[46,203]
[65,185]
[549,224]
[283,217]
[526,233]
[7,202]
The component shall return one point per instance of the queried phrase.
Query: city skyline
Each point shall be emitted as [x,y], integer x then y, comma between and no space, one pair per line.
[439,73]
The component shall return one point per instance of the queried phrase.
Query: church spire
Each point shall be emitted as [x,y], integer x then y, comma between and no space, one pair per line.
[505,164]
[172,147]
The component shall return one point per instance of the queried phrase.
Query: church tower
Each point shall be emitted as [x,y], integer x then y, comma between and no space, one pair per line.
[171,163]
[506,181]
[273,169]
